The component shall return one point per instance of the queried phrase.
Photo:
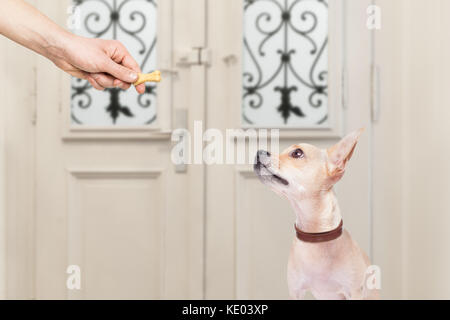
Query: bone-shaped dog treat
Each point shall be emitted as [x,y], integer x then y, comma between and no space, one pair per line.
[150,77]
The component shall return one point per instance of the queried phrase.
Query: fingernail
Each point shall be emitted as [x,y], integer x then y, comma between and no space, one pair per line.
[134,77]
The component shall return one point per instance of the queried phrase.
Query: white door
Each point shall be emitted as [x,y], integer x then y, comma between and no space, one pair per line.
[108,198]
[249,229]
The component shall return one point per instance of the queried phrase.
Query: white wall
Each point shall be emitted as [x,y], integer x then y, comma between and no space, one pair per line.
[411,150]
[17,100]
[388,150]
[426,166]
[3,219]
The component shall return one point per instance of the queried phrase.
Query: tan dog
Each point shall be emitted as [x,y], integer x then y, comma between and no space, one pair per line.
[324,259]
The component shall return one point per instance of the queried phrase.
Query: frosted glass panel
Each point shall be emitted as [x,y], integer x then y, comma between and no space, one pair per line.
[133,22]
[285,67]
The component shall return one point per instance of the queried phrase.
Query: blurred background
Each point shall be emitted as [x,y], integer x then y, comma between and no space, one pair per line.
[87,179]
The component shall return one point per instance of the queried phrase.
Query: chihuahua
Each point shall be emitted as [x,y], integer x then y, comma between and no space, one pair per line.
[324,259]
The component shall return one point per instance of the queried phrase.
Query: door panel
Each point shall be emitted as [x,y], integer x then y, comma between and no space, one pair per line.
[108,198]
[249,229]
[116,265]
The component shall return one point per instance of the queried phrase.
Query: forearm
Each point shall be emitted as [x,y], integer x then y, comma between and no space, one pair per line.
[25,25]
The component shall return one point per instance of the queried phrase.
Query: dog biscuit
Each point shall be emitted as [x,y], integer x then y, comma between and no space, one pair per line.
[150,77]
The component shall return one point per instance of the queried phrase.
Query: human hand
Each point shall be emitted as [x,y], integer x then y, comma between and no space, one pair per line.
[104,63]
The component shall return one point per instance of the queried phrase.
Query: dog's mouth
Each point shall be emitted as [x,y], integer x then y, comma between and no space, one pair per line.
[265,173]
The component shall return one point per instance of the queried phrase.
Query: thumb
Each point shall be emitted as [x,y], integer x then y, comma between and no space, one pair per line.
[120,72]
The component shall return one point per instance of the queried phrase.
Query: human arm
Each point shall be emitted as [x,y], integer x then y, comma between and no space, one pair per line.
[104,63]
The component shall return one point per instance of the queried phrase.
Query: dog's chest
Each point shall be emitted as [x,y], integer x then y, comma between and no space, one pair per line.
[317,267]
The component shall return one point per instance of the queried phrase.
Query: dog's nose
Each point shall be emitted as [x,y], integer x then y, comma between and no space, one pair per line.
[263,157]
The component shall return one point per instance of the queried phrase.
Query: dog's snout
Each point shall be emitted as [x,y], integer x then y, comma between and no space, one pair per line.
[263,157]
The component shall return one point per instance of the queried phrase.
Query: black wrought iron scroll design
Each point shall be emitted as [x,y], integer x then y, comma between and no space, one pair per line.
[81,96]
[302,25]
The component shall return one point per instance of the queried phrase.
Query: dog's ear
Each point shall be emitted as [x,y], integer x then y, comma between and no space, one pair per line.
[340,154]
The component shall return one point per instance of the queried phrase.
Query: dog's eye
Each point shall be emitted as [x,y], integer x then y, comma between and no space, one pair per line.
[297,154]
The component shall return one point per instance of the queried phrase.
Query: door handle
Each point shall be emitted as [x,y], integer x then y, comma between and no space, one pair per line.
[376,88]
[344,88]
[181,122]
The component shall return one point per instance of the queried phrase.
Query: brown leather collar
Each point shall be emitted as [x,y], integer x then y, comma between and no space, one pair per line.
[319,237]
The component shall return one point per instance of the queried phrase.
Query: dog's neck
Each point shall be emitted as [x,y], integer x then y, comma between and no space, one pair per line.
[318,212]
